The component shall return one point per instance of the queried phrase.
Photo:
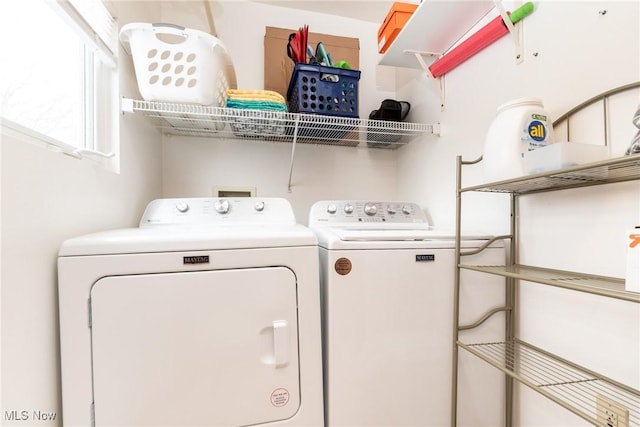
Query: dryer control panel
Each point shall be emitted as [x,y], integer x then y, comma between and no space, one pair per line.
[367,213]
[218,211]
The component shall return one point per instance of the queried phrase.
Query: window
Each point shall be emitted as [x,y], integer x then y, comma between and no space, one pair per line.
[58,80]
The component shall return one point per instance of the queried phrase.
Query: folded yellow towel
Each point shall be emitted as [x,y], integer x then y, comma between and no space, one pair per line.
[256,95]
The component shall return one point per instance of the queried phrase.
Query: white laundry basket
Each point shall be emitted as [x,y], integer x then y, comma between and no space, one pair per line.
[177,64]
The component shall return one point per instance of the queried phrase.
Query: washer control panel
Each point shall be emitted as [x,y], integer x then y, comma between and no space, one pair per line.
[348,212]
[218,211]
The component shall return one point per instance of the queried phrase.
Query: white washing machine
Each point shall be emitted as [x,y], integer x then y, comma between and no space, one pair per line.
[208,314]
[387,285]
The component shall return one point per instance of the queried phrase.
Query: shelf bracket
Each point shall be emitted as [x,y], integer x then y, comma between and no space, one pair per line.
[293,149]
[419,55]
[126,105]
[515,30]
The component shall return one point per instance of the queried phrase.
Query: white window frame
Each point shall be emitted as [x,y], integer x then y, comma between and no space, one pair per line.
[93,21]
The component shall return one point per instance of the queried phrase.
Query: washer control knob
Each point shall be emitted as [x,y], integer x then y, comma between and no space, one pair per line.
[221,206]
[259,206]
[391,210]
[332,208]
[348,208]
[182,207]
[370,209]
[406,209]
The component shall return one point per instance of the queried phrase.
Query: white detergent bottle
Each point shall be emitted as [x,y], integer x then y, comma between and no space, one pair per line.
[521,125]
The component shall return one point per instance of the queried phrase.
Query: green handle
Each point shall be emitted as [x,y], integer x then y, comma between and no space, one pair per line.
[524,10]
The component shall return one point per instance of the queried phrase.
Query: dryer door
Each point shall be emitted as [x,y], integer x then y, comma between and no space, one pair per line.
[195,348]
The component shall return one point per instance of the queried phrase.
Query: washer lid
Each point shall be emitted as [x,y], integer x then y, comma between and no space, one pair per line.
[361,238]
[351,234]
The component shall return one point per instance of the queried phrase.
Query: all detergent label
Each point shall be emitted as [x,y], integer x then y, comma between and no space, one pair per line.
[535,133]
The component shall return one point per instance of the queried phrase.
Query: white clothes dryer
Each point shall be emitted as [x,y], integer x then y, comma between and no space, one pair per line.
[207,314]
[387,283]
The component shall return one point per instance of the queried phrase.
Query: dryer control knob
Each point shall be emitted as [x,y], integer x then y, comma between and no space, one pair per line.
[391,210]
[348,208]
[221,206]
[182,207]
[370,209]
[406,210]
[332,208]
[259,206]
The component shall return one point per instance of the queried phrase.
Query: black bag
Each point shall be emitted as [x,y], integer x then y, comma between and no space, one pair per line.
[390,110]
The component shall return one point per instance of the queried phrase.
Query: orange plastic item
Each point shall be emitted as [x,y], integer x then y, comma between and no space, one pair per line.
[393,23]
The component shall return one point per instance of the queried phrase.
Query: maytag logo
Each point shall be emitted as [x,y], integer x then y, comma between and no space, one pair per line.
[197,259]
[425,258]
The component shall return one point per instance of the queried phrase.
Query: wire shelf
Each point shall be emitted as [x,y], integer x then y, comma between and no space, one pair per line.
[571,386]
[217,122]
[598,285]
[608,171]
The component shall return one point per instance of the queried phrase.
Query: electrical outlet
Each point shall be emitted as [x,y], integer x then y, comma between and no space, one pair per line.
[610,413]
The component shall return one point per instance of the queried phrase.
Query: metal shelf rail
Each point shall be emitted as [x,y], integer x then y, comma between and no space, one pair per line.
[597,285]
[622,169]
[569,385]
[573,387]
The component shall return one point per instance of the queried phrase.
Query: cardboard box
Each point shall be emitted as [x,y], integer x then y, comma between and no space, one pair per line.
[397,17]
[278,67]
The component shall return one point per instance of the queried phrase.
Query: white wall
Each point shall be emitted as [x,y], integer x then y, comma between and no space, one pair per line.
[577,58]
[580,53]
[48,197]
[194,166]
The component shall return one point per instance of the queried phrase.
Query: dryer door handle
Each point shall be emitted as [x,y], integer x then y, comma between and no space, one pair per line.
[281,343]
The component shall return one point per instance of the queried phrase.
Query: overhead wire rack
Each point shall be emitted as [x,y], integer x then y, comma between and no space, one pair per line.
[275,126]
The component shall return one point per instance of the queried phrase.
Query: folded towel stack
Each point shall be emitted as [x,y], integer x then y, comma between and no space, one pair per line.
[265,100]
